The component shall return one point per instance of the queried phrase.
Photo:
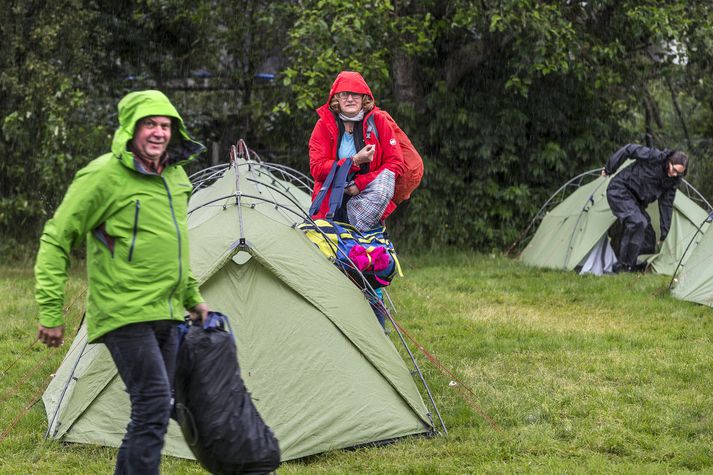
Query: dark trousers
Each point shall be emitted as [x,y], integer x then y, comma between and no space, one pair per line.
[637,234]
[145,355]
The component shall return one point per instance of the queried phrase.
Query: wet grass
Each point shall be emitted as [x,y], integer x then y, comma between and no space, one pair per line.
[579,374]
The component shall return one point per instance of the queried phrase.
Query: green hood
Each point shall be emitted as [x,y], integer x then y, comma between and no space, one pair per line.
[137,105]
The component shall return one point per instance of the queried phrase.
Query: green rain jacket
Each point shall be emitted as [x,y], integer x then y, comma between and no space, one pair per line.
[135,225]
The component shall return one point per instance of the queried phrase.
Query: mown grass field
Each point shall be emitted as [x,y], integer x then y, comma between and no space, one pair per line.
[580,375]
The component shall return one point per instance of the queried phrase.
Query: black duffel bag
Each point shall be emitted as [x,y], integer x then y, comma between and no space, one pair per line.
[220,423]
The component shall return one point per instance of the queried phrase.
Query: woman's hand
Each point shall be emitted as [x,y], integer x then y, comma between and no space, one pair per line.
[365,155]
[351,190]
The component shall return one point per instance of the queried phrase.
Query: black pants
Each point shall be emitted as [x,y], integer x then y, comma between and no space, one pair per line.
[145,355]
[638,235]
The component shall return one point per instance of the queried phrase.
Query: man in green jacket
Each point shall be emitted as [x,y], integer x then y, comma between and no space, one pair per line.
[131,207]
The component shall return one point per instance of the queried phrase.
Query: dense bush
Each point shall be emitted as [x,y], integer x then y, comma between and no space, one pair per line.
[505,99]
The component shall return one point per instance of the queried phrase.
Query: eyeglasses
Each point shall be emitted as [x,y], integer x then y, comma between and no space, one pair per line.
[676,170]
[344,94]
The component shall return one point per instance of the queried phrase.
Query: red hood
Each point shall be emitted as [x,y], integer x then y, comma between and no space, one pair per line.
[349,81]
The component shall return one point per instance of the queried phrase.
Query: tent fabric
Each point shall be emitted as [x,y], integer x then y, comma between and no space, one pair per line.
[319,367]
[600,260]
[694,280]
[572,229]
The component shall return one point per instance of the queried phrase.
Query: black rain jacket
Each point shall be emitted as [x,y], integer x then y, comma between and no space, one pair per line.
[646,180]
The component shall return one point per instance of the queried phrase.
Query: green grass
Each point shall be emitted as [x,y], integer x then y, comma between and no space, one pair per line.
[580,374]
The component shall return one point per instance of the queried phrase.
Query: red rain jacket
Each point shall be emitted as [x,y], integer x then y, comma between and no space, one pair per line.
[323,144]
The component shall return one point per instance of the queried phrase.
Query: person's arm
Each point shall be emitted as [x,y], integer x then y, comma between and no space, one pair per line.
[80,211]
[320,151]
[392,157]
[666,211]
[193,301]
[633,151]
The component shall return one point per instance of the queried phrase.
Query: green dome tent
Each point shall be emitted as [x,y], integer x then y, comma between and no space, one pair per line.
[320,368]
[693,280]
[571,232]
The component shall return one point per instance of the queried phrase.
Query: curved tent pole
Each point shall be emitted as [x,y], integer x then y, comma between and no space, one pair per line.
[198,179]
[207,171]
[66,385]
[420,374]
[284,193]
[708,219]
[290,173]
[244,195]
[544,207]
[585,209]
[291,170]
[692,190]
[200,182]
[294,178]
[275,182]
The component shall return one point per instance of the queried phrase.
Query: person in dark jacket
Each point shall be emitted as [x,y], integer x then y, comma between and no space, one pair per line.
[654,175]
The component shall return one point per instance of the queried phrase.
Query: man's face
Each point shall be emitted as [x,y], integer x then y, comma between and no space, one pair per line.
[152,136]
[675,170]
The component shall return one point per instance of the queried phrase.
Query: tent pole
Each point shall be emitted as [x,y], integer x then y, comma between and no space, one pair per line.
[708,219]
[64,390]
[585,209]
[237,151]
[543,209]
[420,374]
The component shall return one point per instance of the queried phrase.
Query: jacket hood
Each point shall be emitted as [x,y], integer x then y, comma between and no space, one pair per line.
[349,81]
[137,105]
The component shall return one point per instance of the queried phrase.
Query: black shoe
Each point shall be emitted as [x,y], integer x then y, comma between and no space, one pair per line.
[620,267]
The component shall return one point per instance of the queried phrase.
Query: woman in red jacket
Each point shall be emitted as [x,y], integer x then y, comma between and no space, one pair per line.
[350,125]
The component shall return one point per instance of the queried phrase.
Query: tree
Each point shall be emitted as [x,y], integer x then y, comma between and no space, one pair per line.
[44,85]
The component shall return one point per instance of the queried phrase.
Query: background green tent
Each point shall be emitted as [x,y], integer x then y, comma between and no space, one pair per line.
[320,368]
[694,279]
[572,229]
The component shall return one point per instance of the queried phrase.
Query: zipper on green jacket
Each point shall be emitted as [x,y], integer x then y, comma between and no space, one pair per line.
[136,229]
[178,235]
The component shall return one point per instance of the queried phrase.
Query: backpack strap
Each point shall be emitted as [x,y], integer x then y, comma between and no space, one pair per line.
[323,191]
[336,181]
[371,126]
[340,182]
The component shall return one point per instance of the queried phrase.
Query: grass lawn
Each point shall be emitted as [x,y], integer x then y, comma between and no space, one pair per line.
[580,374]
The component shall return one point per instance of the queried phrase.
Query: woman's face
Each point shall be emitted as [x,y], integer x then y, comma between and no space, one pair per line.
[349,103]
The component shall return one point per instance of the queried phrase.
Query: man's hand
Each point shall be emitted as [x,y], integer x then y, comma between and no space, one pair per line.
[199,312]
[352,190]
[604,172]
[52,337]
